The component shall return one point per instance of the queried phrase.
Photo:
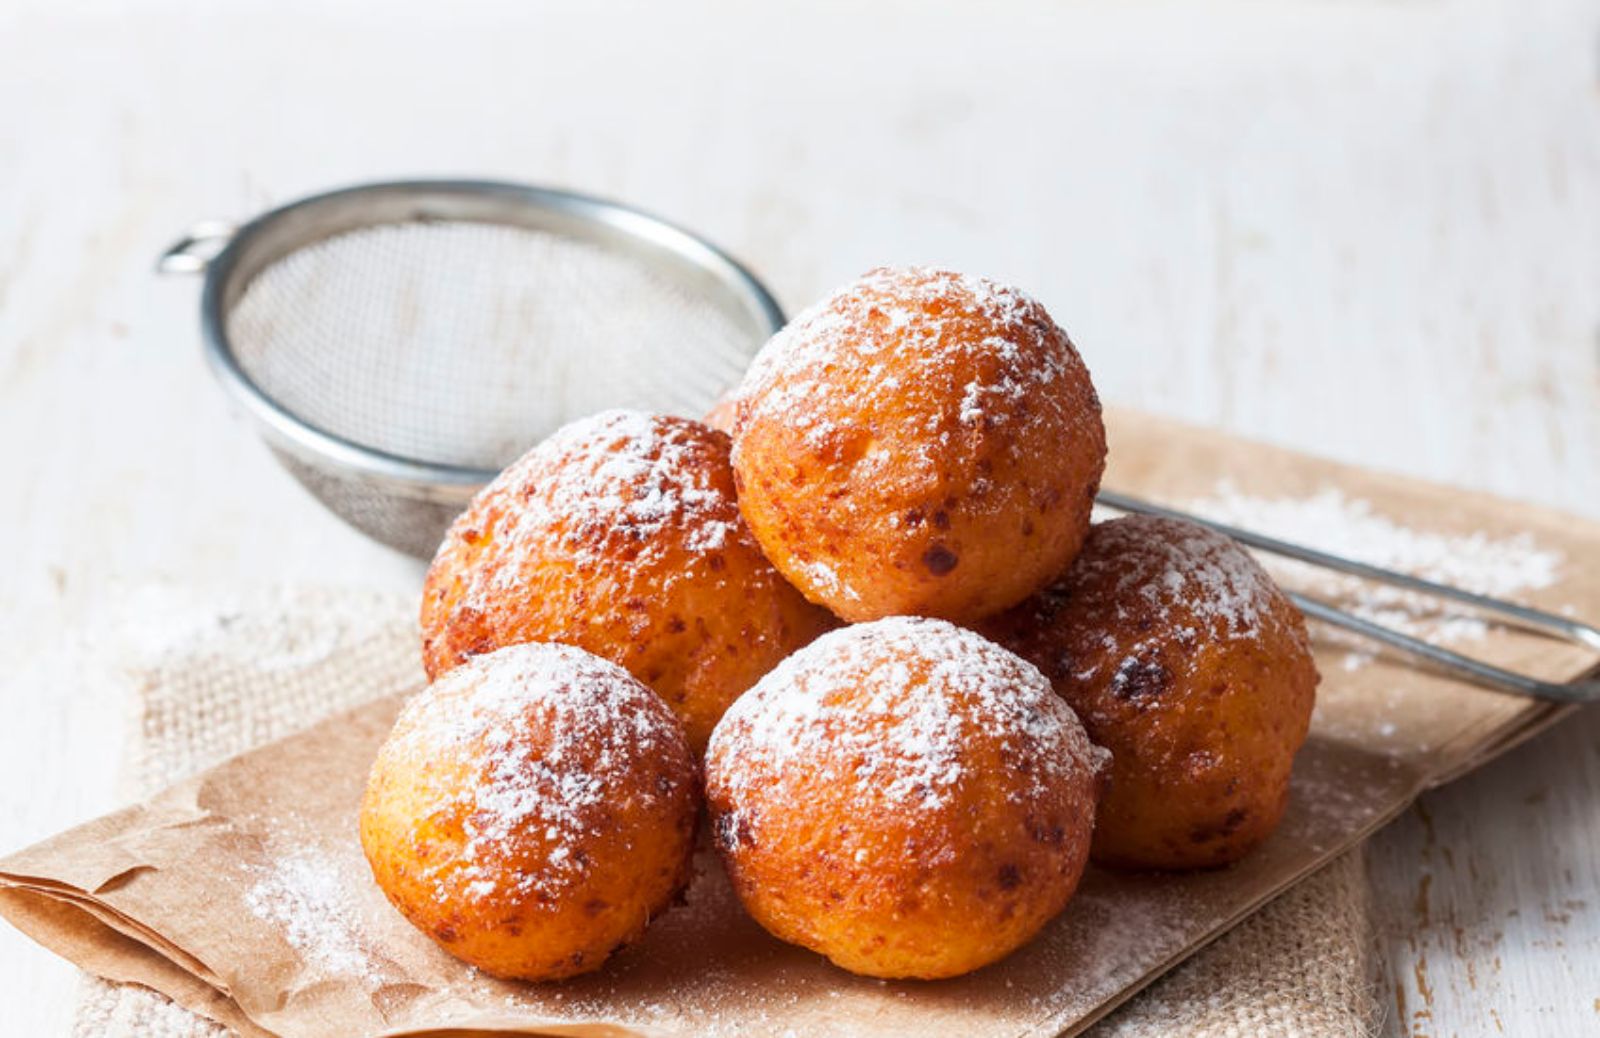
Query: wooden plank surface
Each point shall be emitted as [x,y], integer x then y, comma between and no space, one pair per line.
[1366,229]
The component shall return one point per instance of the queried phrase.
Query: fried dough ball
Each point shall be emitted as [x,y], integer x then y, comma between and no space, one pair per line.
[1187,662]
[532,811]
[904,797]
[921,442]
[620,534]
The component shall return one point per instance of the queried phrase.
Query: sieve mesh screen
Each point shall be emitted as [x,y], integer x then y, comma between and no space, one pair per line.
[465,343]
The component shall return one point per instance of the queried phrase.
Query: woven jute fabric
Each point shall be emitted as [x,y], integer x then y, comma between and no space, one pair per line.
[263,667]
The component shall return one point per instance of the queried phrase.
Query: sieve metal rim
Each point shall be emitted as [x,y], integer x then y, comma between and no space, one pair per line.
[280,231]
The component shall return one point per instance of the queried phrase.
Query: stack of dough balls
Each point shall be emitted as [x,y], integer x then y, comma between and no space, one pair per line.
[903,795]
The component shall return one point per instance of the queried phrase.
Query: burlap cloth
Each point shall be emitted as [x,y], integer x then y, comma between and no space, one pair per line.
[262,667]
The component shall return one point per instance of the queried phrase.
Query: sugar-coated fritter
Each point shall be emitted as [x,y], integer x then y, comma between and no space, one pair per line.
[620,534]
[921,442]
[532,811]
[904,797]
[1186,661]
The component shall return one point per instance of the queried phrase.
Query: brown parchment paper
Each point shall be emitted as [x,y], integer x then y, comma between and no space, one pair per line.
[167,892]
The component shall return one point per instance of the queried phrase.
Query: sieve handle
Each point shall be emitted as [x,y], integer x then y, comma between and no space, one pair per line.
[192,253]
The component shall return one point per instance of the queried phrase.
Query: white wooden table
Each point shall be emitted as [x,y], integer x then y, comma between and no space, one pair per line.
[1367,229]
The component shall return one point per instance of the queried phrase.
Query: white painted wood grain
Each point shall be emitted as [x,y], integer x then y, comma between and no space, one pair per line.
[1367,229]
[1486,896]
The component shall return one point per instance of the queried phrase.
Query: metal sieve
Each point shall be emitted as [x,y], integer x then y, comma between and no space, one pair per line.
[398,344]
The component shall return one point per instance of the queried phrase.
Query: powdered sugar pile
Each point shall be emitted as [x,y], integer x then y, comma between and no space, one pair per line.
[558,732]
[306,896]
[869,328]
[887,708]
[1480,562]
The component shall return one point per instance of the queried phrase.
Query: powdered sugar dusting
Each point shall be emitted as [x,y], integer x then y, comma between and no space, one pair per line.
[589,722]
[1123,937]
[305,895]
[1211,575]
[1501,566]
[892,319]
[617,474]
[826,578]
[1159,569]
[932,681]
[637,469]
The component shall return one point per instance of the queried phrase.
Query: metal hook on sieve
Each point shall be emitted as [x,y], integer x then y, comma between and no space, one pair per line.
[193,253]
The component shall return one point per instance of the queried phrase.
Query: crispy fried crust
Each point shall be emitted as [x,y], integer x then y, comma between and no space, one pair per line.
[1187,662]
[620,534]
[920,443]
[530,819]
[904,803]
